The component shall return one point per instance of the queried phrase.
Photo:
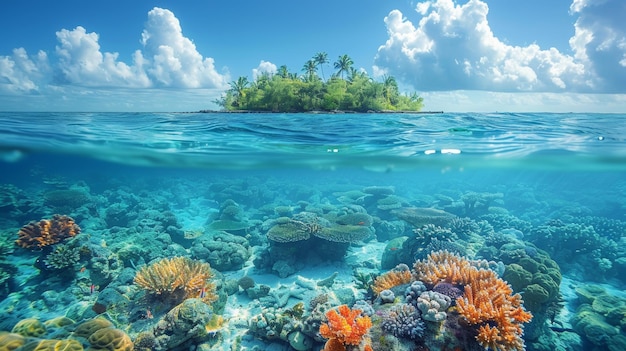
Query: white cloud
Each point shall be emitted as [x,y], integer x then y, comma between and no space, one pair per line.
[169,60]
[452,47]
[600,41]
[264,67]
[175,61]
[20,74]
[82,63]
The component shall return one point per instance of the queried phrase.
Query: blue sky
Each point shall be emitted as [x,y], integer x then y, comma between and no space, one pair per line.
[477,55]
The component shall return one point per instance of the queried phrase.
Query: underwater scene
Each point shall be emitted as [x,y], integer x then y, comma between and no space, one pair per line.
[246,231]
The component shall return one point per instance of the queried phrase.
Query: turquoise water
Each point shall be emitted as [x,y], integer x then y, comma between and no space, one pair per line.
[546,188]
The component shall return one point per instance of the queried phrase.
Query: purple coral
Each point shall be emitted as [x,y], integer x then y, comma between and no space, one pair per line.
[403,321]
[450,290]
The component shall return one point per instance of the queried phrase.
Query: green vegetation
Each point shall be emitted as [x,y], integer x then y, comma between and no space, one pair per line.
[347,90]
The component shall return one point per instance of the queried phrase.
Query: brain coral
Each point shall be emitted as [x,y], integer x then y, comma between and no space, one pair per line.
[29,327]
[10,341]
[36,235]
[59,345]
[110,339]
[87,328]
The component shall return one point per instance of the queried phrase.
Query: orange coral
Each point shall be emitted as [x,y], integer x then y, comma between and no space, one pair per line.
[488,301]
[347,327]
[390,279]
[178,274]
[36,235]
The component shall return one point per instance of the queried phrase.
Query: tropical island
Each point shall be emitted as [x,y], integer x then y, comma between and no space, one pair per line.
[348,89]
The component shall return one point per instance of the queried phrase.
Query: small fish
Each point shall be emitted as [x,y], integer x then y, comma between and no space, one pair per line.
[149,314]
[203,293]
[361,223]
[83,269]
[393,248]
[92,289]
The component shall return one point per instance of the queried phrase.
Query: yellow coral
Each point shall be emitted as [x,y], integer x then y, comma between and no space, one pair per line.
[58,345]
[29,327]
[87,328]
[11,341]
[178,274]
[110,339]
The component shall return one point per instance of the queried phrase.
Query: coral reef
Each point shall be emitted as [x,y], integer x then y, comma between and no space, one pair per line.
[345,327]
[398,276]
[488,302]
[403,321]
[36,235]
[177,277]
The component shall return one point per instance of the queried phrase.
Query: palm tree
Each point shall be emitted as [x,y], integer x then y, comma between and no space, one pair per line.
[309,69]
[238,90]
[283,72]
[320,59]
[390,87]
[343,64]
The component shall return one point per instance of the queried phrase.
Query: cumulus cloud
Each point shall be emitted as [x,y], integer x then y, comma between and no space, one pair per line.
[452,47]
[21,73]
[600,41]
[168,60]
[265,67]
[174,58]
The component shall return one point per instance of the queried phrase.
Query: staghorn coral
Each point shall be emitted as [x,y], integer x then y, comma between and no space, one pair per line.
[398,276]
[345,327]
[178,277]
[488,301]
[36,235]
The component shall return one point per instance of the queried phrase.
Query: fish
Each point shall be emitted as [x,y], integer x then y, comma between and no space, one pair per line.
[203,293]
[149,314]
[92,289]
[393,248]
[83,269]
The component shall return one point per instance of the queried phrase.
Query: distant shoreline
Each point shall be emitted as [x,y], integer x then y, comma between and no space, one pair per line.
[321,112]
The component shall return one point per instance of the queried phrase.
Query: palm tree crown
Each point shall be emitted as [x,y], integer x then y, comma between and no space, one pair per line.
[343,65]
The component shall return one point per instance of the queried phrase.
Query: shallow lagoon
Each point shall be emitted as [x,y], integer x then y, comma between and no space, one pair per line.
[539,198]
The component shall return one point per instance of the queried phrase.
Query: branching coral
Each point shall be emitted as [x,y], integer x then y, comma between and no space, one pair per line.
[36,235]
[397,276]
[180,277]
[487,302]
[345,327]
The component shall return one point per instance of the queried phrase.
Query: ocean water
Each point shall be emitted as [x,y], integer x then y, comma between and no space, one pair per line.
[310,208]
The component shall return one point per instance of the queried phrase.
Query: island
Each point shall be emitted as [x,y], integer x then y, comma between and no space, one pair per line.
[347,90]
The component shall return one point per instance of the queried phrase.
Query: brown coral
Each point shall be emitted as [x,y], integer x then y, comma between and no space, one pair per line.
[36,235]
[178,277]
[487,302]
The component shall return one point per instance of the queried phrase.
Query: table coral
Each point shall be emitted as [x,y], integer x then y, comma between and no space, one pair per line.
[488,301]
[36,235]
[345,327]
